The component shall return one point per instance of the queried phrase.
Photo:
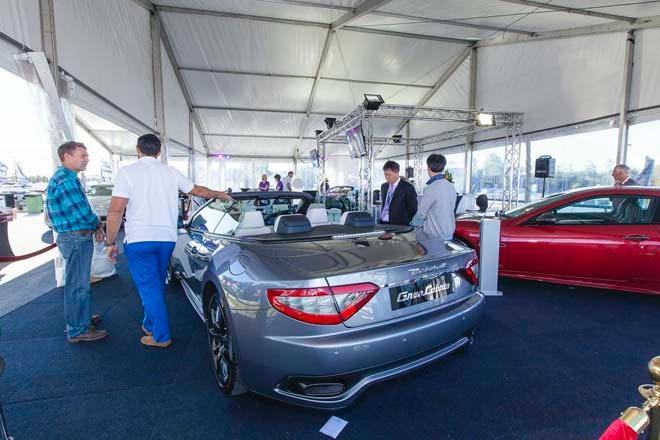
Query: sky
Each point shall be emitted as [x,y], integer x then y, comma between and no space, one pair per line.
[22,117]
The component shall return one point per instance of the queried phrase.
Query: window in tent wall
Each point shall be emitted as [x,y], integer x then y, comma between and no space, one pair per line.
[488,173]
[180,163]
[24,125]
[307,173]
[643,143]
[456,166]
[201,169]
[342,170]
[581,160]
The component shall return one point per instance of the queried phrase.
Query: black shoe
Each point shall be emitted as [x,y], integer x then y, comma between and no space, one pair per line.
[90,335]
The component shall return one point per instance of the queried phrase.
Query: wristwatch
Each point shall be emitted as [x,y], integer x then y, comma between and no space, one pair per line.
[107,244]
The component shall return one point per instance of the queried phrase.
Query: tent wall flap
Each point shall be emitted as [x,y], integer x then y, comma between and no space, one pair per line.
[112,56]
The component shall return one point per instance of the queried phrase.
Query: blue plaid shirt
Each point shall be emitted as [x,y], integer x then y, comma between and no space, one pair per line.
[67,204]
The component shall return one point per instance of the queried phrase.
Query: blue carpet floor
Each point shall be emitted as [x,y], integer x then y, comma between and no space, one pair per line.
[549,362]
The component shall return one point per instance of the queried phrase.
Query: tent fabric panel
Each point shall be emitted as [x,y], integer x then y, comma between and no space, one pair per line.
[645,89]
[628,8]
[371,57]
[552,21]
[107,45]
[198,143]
[266,9]
[455,9]
[556,82]
[230,90]
[121,142]
[397,24]
[218,42]
[250,123]
[342,97]
[19,20]
[92,104]
[176,109]
[252,146]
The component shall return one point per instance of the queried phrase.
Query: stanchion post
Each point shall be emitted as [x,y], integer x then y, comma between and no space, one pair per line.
[489,245]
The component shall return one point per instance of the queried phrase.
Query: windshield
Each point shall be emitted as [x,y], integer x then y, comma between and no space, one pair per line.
[101,191]
[524,209]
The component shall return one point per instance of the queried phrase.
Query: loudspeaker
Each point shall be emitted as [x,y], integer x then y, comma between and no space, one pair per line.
[545,167]
[410,172]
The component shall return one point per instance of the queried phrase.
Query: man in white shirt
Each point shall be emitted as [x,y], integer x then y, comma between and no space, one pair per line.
[438,202]
[149,192]
[287,181]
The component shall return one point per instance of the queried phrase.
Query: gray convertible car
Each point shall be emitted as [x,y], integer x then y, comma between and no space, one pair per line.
[314,315]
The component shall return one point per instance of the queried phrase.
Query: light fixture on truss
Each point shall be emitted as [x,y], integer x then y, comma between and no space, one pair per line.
[485,120]
[372,102]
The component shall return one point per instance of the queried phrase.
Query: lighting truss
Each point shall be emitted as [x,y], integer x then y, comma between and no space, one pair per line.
[511,121]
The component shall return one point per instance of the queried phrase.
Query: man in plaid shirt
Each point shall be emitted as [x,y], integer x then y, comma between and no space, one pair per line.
[74,221]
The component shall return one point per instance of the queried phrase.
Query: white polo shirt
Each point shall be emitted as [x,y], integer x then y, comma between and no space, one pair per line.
[152,190]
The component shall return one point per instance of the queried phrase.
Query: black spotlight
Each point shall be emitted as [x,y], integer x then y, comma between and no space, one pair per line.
[372,102]
[330,122]
[318,132]
[397,138]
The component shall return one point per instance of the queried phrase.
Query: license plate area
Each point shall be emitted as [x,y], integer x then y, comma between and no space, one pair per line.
[421,291]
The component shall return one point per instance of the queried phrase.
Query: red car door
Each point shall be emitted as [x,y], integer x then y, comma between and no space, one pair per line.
[582,243]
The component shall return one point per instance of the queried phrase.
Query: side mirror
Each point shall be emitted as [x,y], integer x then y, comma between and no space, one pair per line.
[547,218]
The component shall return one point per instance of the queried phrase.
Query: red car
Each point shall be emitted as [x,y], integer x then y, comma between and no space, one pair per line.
[596,237]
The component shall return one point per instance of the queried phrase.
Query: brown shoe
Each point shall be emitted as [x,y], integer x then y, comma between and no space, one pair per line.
[149,340]
[90,335]
[146,332]
[95,319]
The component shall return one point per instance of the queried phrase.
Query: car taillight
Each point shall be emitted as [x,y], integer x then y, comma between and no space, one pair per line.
[470,270]
[322,305]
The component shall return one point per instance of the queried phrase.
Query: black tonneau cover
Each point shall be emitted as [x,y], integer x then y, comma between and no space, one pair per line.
[322,232]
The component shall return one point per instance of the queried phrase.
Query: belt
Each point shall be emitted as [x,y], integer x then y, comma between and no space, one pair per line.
[82,232]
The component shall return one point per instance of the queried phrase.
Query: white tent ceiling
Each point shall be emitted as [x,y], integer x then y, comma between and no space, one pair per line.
[251,66]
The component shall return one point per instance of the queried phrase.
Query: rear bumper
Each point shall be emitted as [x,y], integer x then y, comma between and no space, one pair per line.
[355,357]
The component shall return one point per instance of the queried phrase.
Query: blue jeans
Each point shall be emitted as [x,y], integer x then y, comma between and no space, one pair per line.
[147,262]
[77,250]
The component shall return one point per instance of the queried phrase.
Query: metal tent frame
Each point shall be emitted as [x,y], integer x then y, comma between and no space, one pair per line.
[360,116]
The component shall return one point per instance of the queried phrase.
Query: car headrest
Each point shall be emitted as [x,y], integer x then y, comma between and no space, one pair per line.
[292,224]
[357,219]
[317,215]
[252,219]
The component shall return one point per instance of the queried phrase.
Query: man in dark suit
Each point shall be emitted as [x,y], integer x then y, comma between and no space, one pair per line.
[398,197]
[624,209]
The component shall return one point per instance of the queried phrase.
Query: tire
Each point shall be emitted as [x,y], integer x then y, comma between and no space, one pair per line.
[171,278]
[223,356]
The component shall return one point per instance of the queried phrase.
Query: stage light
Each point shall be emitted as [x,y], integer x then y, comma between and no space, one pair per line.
[485,120]
[318,132]
[397,138]
[372,102]
[330,122]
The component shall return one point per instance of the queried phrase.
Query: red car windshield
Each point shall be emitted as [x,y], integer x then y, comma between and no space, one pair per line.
[524,209]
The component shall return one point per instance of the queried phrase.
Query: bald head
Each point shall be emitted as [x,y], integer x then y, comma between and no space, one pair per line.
[620,173]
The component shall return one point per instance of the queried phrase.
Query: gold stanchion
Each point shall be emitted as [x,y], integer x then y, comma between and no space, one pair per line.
[649,414]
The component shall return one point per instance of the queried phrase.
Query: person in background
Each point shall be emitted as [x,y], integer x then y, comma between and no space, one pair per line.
[264,185]
[482,202]
[398,197]
[148,191]
[621,176]
[279,186]
[325,186]
[436,209]
[70,215]
[287,181]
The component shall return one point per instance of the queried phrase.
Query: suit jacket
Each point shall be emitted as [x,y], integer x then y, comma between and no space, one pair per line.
[403,205]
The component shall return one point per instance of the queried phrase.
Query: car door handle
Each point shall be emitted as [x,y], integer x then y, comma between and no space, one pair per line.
[635,237]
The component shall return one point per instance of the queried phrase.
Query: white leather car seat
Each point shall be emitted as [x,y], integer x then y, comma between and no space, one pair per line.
[318,216]
[251,223]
